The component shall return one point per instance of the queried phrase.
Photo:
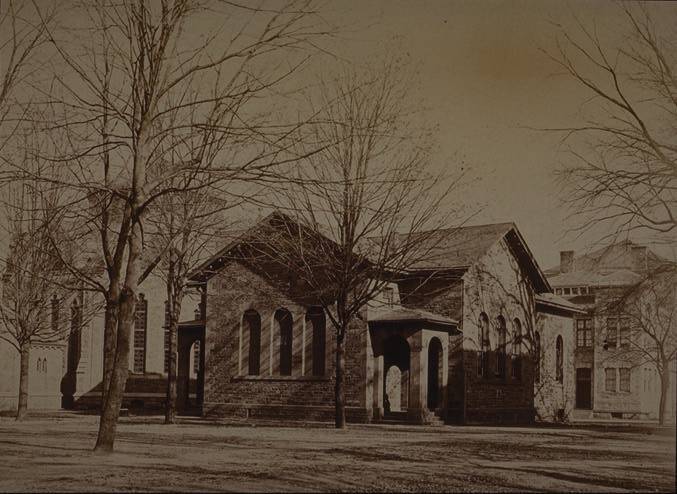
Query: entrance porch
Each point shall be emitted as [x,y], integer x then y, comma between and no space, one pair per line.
[410,371]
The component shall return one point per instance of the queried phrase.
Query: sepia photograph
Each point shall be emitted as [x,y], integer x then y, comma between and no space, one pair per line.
[338,246]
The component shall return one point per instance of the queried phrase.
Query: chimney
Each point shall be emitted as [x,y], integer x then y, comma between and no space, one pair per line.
[566,261]
[639,258]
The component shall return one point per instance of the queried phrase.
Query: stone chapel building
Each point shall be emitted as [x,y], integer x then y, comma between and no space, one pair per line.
[452,339]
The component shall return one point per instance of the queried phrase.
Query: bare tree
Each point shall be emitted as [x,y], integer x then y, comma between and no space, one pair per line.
[187,228]
[150,87]
[647,325]
[359,208]
[34,282]
[624,171]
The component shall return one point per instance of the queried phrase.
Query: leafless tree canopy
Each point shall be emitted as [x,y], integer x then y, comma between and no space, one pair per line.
[624,172]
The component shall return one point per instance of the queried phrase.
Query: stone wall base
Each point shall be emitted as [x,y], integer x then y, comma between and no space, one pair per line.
[283,412]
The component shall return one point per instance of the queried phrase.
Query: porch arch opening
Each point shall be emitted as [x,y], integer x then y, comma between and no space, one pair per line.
[396,365]
[435,379]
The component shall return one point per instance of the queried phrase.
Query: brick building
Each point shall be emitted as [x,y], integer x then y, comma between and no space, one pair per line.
[611,381]
[451,339]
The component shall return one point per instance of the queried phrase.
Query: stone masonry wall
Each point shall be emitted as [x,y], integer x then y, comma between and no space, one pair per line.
[228,388]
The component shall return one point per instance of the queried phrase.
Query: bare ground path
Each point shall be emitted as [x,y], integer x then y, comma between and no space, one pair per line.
[48,454]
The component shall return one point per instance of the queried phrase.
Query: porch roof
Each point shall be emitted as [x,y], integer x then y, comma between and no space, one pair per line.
[405,314]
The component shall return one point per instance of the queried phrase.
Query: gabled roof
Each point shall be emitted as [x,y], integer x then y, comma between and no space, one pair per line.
[552,301]
[609,258]
[441,250]
[458,248]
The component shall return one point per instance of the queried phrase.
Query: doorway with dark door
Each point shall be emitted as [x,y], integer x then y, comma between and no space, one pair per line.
[584,388]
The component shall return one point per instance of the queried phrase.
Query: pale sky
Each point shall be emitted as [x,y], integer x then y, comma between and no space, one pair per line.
[485,79]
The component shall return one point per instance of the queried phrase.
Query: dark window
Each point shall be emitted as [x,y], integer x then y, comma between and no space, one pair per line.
[584,332]
[610,379]
[315,316]
[516,353]
[624,379]
[500,350]
[285,327]
[567,291]
[252,327]
[537,357]
[559,359]
[140,326]
[485,346]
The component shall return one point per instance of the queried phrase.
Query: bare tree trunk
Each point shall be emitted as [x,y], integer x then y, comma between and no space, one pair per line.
[109,339]
[111,411]
[339,390]
[170,406]
[663,403]
[22,407]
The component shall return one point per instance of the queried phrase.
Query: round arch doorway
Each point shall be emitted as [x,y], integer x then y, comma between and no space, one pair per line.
[435,377]
[396,382]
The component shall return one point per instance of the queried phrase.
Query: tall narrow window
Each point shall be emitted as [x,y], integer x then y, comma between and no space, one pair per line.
[285,331]
[584,332]
[516,366]
[537,357]
[140,326]
[315,316]
[610,379]
[485,346]
[252,327]
[74,337]
[624,380]
[501,349]
[559,359]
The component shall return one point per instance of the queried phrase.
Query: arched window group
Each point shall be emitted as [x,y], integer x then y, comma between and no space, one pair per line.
[282,341]
[499,362]
[559,359]
[41,365]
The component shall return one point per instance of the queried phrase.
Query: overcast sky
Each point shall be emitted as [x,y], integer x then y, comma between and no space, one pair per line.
[485,79]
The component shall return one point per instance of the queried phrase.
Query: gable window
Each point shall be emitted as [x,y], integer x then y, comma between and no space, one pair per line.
[252,328]
[584,332]
[485,346]
[624,379]
[500,350]
[315,316]
[559,359]
[389,296]
[516,364]
[284,325]
[140,326]
[567,291]
[610,379]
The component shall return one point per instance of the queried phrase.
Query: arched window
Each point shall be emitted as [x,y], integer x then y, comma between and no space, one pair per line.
[252,326]
[284,325]
[537,357]
[485,346]
[38,365]
[315,316]
[516,361]
[44,364]
[500,350]
[559,359]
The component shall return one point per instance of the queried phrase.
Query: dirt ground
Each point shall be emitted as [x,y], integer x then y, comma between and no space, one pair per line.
[54,454]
